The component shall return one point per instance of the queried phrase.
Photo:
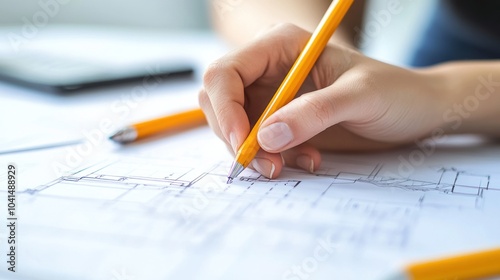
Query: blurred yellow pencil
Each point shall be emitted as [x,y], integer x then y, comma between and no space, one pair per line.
[144,129]
[476,265]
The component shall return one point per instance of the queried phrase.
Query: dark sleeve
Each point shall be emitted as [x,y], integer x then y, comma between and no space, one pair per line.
[460,30]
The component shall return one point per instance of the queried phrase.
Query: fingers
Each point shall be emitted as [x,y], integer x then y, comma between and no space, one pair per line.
[236,85]
[225,80]
[270,165]
[311,113]
[304,156]
[267,164]
[208,110]
[222,101]
[305,117]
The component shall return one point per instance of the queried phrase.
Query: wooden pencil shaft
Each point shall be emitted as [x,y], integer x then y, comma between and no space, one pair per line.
[176,121]
[297,74]
[470,266]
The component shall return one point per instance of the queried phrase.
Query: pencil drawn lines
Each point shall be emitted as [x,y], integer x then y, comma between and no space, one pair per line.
[451,181]
[182,210]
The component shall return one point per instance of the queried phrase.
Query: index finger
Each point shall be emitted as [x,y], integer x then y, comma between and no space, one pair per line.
[225,79]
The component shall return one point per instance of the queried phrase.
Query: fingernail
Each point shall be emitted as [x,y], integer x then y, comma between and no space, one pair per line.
[275,136]
[233,141]
[305,162]
[264,166]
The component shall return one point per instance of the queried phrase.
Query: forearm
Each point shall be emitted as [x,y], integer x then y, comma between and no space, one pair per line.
[471,96]
[240,21]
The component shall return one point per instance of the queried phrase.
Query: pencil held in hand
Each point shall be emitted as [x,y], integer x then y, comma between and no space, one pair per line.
[293,81]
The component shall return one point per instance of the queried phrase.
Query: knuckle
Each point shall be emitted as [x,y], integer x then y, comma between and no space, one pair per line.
[287,27]
[203,99]
[367,78]
[369,83]
[347,57]
[321,110]
[366,92]
[280,28]
[213,71]
[286,32]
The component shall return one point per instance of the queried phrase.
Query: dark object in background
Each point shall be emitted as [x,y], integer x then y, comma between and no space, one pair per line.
[460,30]
[65,75]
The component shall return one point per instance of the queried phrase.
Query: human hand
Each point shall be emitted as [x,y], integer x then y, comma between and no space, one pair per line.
[349,102]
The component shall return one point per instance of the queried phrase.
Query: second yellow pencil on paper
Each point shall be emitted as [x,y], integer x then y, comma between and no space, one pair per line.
[190,118]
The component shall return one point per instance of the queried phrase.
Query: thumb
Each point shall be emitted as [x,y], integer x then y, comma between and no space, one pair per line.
[303,118]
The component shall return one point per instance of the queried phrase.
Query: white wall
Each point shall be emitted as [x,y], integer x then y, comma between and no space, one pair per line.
[389,39]
[164,14]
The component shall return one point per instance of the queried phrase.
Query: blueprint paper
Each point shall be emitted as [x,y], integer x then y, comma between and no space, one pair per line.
[164,211]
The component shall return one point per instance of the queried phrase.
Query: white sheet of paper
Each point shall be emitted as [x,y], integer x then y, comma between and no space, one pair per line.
[161,208]
[164,211]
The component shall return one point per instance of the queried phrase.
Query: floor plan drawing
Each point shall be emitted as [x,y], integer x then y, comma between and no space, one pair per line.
[181,212]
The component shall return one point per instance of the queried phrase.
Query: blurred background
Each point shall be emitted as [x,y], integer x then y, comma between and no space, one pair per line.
[150,14]
[189,15]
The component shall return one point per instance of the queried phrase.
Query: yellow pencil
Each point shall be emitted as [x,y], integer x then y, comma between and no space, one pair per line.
[469,266]
[293,81]
[179,121]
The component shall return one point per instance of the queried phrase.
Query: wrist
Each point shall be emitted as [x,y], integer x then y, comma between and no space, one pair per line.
[469,97]
[437,87]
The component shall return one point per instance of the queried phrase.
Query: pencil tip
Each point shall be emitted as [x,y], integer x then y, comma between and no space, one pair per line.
[124,135]
[236,169]
[116,136]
